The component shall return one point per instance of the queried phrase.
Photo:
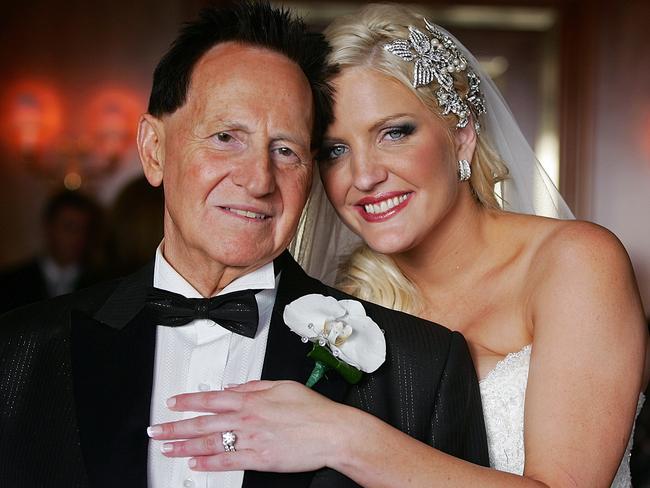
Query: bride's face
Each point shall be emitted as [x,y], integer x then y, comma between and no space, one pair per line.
[388,164]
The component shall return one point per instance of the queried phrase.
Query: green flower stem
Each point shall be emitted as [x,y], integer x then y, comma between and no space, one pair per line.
[325,361]
[316,374]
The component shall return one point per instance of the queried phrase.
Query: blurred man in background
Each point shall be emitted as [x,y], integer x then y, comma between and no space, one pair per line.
[70,224]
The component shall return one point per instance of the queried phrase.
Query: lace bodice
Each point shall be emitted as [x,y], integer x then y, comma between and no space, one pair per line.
[503,392]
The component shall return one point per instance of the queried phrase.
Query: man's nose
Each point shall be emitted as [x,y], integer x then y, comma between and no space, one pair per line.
[256,173]
[367,171]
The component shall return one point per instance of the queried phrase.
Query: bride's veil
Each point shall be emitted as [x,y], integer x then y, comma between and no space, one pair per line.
[323,241]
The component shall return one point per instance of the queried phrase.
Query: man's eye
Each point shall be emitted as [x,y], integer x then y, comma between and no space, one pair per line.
[285,151]
[224,137]
[285,155]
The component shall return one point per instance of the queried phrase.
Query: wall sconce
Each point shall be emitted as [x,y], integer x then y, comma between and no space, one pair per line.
[41,135]
[34,117]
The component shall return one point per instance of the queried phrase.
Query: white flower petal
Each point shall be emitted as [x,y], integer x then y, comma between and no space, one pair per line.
[366,347]
[353,307]
[311,309]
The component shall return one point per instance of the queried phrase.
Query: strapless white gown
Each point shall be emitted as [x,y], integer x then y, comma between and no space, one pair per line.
[502,393]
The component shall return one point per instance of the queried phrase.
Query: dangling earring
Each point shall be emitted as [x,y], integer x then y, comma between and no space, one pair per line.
[464,170]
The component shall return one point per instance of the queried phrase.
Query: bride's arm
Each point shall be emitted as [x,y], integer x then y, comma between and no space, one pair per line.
[585,376]
[587,359]
[284,426]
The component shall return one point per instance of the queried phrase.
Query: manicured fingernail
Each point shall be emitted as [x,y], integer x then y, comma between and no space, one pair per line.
[171,402]
[154,430]
[167,447]
[192,463]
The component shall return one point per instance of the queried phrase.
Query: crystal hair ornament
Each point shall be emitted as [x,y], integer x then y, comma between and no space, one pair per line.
[437,58]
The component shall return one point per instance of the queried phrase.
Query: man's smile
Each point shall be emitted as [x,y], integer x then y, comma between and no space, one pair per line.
[249,214]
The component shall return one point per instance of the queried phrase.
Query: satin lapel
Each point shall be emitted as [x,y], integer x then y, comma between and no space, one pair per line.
[286,359]
[127,299]
[112,361]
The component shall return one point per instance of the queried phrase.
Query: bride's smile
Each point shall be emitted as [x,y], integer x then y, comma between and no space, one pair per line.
[383,206]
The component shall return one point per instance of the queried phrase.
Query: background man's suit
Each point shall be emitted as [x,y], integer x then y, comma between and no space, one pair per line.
[76,376]
[26,283]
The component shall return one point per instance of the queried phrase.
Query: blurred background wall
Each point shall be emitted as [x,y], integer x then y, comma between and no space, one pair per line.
[76,74]
[618,193]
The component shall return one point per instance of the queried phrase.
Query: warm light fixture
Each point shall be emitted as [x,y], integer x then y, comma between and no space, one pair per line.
[38,132]
[33,117]
[111,120]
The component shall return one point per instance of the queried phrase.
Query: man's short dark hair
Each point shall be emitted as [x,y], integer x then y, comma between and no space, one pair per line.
[250,22]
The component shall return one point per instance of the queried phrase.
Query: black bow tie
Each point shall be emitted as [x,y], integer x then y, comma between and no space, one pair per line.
[236,311]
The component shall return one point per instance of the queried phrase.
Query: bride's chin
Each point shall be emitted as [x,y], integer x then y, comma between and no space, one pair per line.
[388,244]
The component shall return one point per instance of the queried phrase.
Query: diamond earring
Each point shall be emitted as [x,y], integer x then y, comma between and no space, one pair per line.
[464,170]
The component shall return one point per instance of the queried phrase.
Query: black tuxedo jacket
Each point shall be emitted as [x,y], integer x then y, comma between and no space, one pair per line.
[21,285]
[76,376]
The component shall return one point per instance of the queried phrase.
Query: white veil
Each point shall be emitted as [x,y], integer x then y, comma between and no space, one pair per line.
[323,241]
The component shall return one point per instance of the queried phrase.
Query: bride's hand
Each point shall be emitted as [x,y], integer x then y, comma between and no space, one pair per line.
[280,426]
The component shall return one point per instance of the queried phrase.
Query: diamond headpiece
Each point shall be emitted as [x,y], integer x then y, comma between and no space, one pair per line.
[437,58]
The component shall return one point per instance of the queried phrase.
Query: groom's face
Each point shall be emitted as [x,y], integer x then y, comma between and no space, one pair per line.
[237,161]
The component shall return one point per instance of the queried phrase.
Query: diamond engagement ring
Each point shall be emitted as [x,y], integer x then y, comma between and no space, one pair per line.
[229,439]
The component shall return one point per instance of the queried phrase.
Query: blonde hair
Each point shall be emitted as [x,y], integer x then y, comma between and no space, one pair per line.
[359,40]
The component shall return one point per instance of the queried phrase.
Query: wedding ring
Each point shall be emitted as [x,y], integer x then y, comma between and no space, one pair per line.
[228,438]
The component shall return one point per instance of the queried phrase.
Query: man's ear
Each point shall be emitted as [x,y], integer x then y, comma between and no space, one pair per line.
[151,148]
[465,140]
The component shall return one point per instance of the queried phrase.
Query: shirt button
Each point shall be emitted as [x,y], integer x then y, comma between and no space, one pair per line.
[204,387]
[188,483]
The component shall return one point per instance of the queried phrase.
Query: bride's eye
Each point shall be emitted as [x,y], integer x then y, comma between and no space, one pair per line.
[399,132]
[336,151]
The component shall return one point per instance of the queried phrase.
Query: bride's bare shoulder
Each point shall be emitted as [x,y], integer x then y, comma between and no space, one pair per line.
[569,256]
[577,271]
[553,243]
[576,246]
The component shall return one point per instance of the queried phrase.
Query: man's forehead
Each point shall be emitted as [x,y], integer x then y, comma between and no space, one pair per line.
[234,68]
[231,58]
[231,79]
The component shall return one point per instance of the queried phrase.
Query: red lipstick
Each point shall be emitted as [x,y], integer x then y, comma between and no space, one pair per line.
[370,207]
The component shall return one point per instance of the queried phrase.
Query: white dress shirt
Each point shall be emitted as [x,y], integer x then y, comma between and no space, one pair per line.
[202,356]
[59,280]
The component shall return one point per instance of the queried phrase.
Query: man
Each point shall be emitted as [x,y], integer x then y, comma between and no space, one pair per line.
[69,222]
[236,110]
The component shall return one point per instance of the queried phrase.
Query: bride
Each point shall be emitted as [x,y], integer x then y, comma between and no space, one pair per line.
[425,164]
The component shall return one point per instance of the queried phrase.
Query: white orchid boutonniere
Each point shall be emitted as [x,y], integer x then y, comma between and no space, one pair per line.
[345,338]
